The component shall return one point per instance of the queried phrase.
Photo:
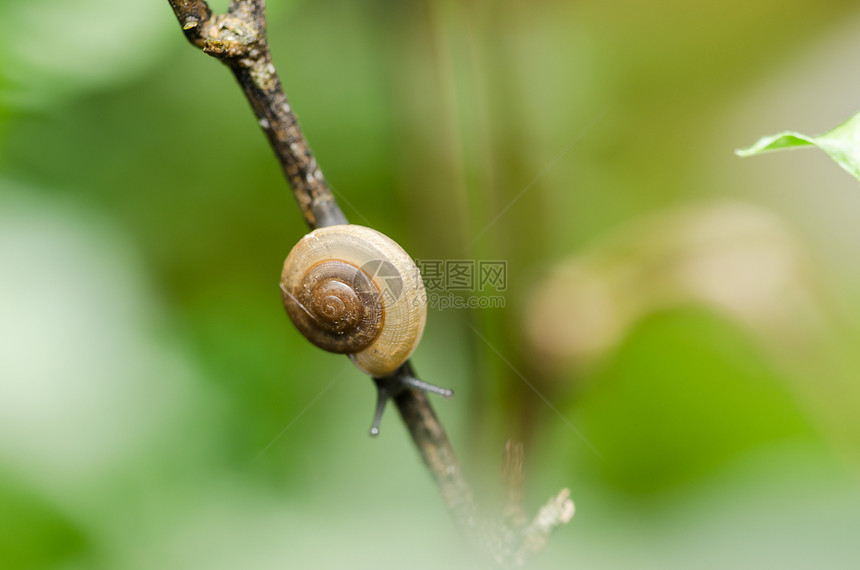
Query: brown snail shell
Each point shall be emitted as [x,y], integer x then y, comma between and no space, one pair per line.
[352,290]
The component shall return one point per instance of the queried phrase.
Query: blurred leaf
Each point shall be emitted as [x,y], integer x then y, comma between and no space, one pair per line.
[54,49]
[36,534]
[841,143]
[686,394]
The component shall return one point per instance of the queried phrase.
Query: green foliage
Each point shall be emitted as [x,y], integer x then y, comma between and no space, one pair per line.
[53,50]
[709,399]
[35,534]
[842,144]
[146,362]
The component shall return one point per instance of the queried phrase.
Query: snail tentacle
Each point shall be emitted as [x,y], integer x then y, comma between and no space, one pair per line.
[390,386]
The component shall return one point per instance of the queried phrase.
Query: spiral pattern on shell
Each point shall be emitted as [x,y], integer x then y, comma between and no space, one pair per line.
[352,290]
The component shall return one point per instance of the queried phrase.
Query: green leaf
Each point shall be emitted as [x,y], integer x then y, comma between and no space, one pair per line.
[53,50]
[842,144]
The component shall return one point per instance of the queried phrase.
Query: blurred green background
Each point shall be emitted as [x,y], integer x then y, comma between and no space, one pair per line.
[693,318]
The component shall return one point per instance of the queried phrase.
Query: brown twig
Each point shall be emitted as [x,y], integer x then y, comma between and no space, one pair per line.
[436,451]
[238,39]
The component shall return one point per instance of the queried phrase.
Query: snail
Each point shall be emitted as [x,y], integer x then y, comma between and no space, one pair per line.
[352,290]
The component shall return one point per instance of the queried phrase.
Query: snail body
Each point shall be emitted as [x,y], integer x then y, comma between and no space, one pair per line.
[352,290]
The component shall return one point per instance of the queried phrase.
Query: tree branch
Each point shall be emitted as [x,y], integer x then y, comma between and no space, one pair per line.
[192,16]
[238,39]
[436,450]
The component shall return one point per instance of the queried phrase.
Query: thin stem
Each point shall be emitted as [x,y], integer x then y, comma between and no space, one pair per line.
[439,457]
[432,443]
[238,38]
